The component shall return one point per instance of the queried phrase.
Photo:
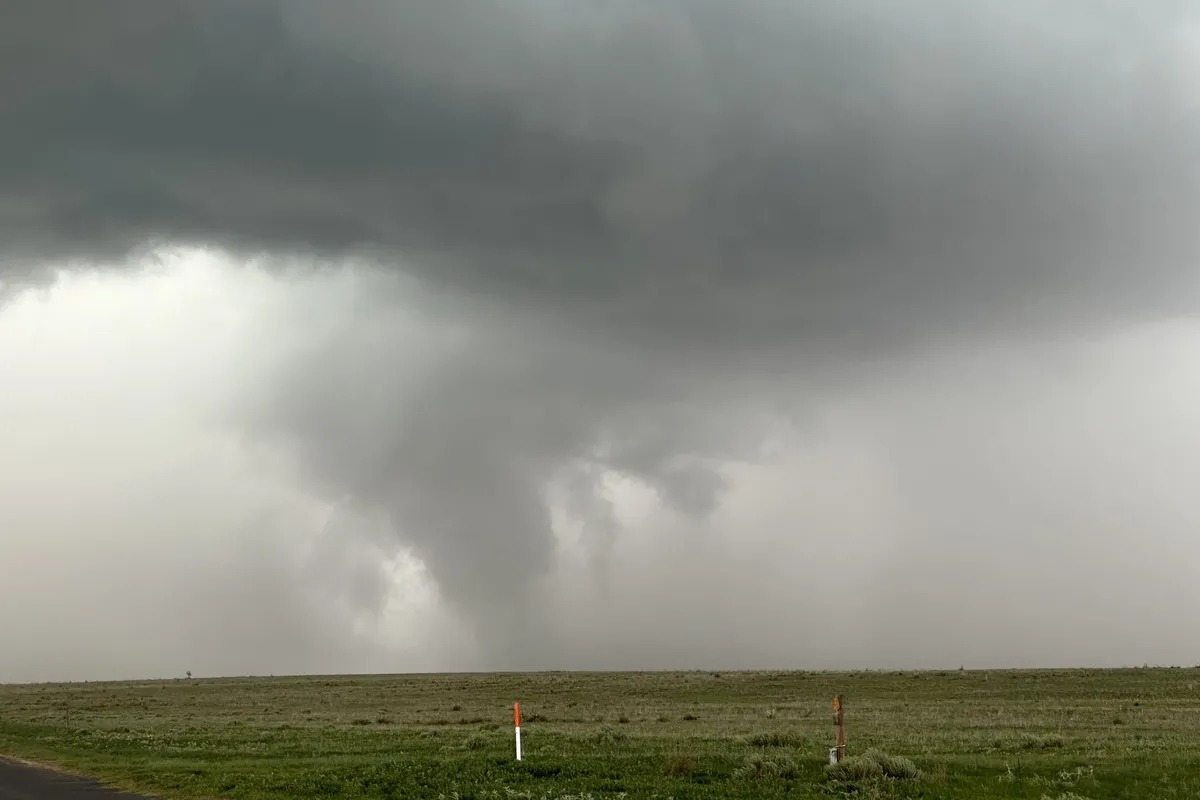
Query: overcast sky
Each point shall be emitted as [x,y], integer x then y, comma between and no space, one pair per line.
[453,335]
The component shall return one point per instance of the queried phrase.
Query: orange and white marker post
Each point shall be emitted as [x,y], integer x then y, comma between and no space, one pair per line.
[517,727]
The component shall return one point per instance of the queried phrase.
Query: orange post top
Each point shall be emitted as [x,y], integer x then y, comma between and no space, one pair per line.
[517,714]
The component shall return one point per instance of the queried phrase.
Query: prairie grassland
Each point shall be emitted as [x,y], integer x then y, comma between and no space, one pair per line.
[1057,735]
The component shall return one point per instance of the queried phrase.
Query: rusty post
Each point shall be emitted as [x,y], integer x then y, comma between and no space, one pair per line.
[839,722]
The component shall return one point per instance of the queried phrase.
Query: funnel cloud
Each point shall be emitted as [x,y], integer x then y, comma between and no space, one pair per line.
[604,335]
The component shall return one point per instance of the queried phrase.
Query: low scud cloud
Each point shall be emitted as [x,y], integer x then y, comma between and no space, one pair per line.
[694,335]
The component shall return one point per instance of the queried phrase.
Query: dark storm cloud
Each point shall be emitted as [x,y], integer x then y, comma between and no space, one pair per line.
[756,171]
[636,215]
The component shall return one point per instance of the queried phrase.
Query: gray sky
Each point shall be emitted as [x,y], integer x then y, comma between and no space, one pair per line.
[477,335]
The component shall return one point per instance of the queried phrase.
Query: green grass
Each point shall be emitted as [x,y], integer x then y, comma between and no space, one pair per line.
[1057,735]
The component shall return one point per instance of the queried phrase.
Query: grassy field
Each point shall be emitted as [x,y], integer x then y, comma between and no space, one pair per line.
[1062,735]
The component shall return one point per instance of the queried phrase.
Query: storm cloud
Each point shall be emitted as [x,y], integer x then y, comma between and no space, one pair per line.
[840,172]
[537,255]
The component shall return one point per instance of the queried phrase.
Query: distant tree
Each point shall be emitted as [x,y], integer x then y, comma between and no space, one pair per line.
[189,674]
